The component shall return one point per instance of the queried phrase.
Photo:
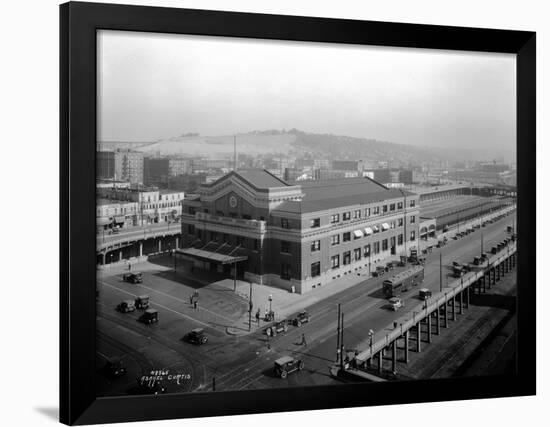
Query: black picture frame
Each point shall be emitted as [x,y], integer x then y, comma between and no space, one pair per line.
[78,25]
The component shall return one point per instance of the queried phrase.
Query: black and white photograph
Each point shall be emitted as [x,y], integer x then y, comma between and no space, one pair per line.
[275,214]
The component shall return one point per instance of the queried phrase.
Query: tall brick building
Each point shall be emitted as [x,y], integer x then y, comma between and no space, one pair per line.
[297,237]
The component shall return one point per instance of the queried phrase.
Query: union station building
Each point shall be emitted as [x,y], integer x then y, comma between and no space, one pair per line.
[296,236]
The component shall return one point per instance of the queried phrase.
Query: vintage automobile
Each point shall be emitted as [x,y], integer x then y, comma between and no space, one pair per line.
[396,303]
[287,364]
[150,316]
[458,271]
[142,302]
[126,306]
[389,266]
[424,294]
[277,328]
[132,277]
[380,270]
[113,369]
[302,317]
[197,336]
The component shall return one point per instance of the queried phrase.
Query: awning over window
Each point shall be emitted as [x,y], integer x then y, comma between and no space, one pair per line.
[103,221]
[358,233]
[119,219]
[368,231]
[225,254]
[385,226]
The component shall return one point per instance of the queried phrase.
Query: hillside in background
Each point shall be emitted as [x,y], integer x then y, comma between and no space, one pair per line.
[296,142]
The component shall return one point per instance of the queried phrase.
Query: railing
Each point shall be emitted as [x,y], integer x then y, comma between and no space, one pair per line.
[423,310]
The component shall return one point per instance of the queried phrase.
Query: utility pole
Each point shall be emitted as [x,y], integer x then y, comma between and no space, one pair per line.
[234,152]
[440,272]
[481,250]
[342,343]
[338,336]
[250,308]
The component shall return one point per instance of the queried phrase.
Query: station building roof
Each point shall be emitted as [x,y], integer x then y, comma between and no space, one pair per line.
[336,193]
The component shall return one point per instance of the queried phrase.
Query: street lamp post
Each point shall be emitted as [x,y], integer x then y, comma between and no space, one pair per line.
[371,335]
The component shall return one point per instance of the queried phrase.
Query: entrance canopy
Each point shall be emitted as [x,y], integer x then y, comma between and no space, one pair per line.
[219,254]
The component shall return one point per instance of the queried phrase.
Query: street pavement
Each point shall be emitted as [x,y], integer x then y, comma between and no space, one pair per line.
[246,361]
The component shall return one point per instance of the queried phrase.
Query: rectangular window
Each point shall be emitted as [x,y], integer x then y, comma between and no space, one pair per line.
[334,218]
[413,219]
[335,240]
[376,210]
[384,208]
[335,261]
[392,224]
[191,229]
[357,214]
[192,210]
[346,216]
[315,245]
[400,222]
[392,207]
[219,213]
[284,223]
[413,203]
[286,272]
[413,236]
[346,258]
[315,222]
[399,239]
[366,250]
[367,212]
[285,247]
[346,237]
[399,205]
[199,234]
[392,241]
[316,269]
[385,245]
[376,247]
[256,244]
[357,254]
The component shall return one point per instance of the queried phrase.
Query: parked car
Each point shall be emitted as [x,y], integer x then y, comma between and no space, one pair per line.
[302,317]
[286,365]
[197,336]
[458,271]
[142,302]
[424,294]
[379,272]
[149,317]
[126,306]
[133,277]
[396,303]
[277,328]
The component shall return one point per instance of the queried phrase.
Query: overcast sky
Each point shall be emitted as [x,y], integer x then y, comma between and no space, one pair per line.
[154,86]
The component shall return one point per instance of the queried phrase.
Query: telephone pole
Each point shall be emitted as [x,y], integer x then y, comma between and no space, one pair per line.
[440,272]
[338,336]
[342,343]
[234,152]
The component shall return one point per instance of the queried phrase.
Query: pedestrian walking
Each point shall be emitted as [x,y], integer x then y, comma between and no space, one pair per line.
[129,266]
[258,316]
[191,299]
[195,304]
[304,342]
